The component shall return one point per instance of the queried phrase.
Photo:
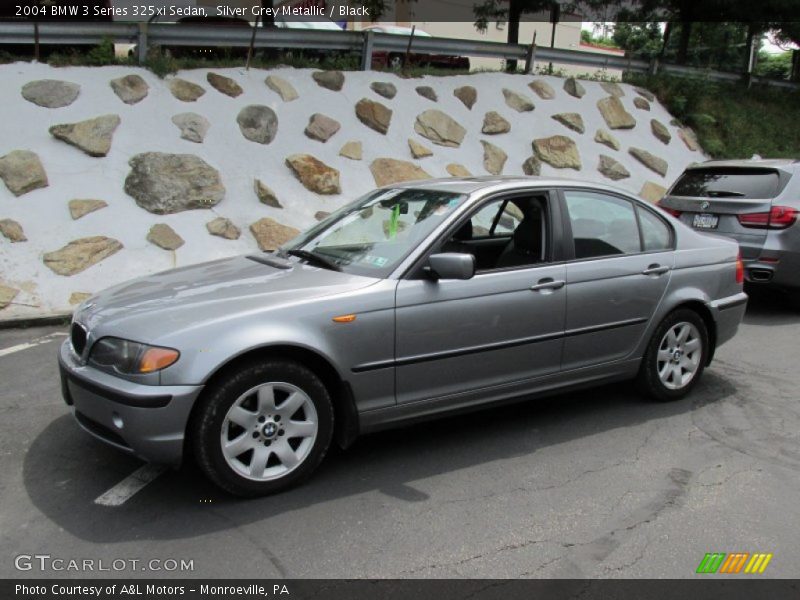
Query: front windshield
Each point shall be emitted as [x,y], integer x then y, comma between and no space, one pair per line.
[375,233]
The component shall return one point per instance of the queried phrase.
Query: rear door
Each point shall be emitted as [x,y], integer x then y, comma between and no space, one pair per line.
[617,275]
[712,199]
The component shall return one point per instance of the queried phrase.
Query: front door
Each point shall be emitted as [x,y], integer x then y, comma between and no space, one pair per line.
[504,325]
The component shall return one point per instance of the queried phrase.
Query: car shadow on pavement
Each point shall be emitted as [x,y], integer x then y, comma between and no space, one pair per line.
[65,470]
[770,307]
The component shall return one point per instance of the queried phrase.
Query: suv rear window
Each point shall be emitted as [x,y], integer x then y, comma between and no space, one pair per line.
[727,183]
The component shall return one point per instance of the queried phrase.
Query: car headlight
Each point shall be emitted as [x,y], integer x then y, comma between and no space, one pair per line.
[130,358]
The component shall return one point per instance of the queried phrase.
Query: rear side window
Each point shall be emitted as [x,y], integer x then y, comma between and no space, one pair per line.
[727,183]
[602,225]
[656,234]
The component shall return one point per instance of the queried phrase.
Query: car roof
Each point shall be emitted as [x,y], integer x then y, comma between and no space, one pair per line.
[500,183]
[787,164]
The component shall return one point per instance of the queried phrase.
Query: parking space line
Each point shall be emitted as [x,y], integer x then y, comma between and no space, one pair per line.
[32,344]
[133,483]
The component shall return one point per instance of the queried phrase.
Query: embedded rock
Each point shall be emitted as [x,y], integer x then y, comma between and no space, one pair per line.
[494,123]
[78,297]
[224,85]
[270,234]
[612,88]
[439,128]
[223,228]
[428,92]
[532,166]
[169,183]
[266,195]
[12,230]
[321,127]
[457,170]
[321,215]
[164,236]
[517,101]
[543,89]
[384,88]
[22,172]
[51,93]
[611,168]
[558,151]
[92,137]
[282,87]
[645,94]
[193,126]
[314,174]
[494,158]
[660,131]
[572,121]
[130,89]
[614,113]
[81,254]
[641,103]
[390,170]
[332,80]
[352,150]
[418,150]
[81,208]
[689,138]
[7,295]
[604,137]
[573,88]
[652,192]
[185,91]
[374,115]
[467,94]
[651,161]
[258,123]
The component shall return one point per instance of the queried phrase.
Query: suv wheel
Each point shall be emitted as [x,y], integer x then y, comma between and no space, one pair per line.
[263,429]
[675,357]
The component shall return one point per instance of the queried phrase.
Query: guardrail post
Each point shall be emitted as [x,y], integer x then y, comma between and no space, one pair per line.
[653,70]
[366,52]
[529,60]
[142,43]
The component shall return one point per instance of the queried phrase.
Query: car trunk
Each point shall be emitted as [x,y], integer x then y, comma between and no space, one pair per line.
[712,199]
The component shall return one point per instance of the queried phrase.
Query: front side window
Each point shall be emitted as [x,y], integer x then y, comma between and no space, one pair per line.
[602,225]
[374,234]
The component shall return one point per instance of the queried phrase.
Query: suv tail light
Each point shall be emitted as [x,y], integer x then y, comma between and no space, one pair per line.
[739,269]
[672,211]
[779,217]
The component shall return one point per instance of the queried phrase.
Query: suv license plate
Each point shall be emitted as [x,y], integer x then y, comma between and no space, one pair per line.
[705,221]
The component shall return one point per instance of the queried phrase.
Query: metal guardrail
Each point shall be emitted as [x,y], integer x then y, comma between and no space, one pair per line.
[365,43]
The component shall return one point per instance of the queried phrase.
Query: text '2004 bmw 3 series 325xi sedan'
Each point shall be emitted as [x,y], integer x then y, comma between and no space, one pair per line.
[413,301]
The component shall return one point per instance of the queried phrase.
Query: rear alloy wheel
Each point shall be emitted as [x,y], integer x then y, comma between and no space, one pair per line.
[675,357]
[263,429]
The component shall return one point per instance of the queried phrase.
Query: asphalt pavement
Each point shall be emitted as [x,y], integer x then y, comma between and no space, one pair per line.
[593,484]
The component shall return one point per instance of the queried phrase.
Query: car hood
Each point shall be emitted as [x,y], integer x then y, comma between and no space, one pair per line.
[150,307]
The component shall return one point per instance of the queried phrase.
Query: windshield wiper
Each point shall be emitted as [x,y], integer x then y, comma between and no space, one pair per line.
[314,258]
[723,194]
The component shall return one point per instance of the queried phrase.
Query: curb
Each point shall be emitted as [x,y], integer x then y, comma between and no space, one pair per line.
[27,322]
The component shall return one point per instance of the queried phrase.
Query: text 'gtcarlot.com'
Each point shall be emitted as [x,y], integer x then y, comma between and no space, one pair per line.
[46,562]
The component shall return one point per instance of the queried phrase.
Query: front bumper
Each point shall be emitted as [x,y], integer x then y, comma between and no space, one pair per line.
[728,314]
[143,420]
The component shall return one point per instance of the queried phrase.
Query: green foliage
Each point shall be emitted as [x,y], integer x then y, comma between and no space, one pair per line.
[638,39]
[103,54]
[776,66]
[731,121]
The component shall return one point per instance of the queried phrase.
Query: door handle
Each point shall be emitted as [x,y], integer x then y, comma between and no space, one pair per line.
[548,284]
[655,269]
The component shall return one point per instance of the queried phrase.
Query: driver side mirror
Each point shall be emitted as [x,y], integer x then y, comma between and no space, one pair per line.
[451,265]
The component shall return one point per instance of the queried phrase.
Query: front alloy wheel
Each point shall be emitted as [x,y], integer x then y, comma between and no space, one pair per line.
[262,428]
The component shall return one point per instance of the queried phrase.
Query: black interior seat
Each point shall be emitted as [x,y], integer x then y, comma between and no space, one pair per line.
[456,243]
[525,246]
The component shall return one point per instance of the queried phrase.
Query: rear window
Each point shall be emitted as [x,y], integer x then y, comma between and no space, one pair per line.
[727,183]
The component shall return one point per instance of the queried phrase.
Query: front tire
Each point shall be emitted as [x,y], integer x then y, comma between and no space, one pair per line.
[263,428]
[675,357]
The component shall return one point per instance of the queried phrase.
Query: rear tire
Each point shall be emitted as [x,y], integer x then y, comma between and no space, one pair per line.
[263,428]
[676,356]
